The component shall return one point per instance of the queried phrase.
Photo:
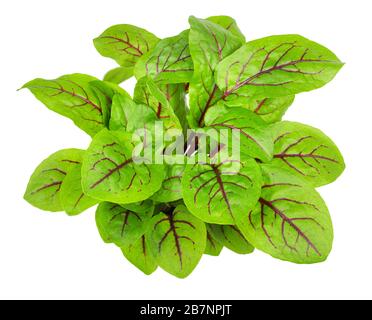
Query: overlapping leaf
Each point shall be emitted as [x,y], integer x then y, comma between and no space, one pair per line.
[276,66]
[110,173]
[178,241]
[121,226]
[213,192]
[171,189]
[118,75]
[43,190]
[231,238]
[73,199]
[148,93]
[170,61]
[256,139]
[209,44]
[213,247]
[307,152]
[291,221]
[72,96]
[229,24]
[128,116]
[139,254]
[125,44]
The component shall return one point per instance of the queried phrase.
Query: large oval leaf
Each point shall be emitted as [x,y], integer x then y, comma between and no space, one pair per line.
[178,241]
[43,190]
[307,152]
[119,225]
[209,44]
[213,192]
[170,61]
[73,97]
[73,199]
[139,254]
[291,221]
[232,238]
[255,138]
[277,66]
[110,173]
[125,43]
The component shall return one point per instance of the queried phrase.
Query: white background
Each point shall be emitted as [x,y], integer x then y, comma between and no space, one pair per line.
[52,256]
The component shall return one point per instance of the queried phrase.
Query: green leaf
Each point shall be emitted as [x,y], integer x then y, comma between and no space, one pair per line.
[291,221]
[72,197]
[139,255]
[271,110]
[176,96]
[110,173]
[119,225]
[231,238]
[213,192]
[178,241]
[129,116]
[213,247]
[73,97]
[255,138]
[276,66]
[125,44]
[209,44]
[140,207]
[171,189]
[307,152]
[148,93]
[170,61]
[45,184]
[229,24]
[119,75]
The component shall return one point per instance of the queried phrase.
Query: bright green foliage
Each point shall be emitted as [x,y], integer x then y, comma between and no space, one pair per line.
[205,84]
[290,221]
[178,241]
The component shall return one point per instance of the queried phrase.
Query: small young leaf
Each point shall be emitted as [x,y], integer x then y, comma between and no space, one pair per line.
[209,44]
[178,241]
[291,221]
[276,66]
[231,238]
[73,97]
[128,116]
[119,225]
[256,139]
[213,247]
[72,197]
[176,96]
[110,173]
[170,61]
[171,190]
[45,184]
[229,24]
[307,152]
[139,255]
[148,93]
[125,44]
[119,75]
[213,192]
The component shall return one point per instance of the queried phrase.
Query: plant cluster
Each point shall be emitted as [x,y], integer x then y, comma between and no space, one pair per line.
[206,77]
